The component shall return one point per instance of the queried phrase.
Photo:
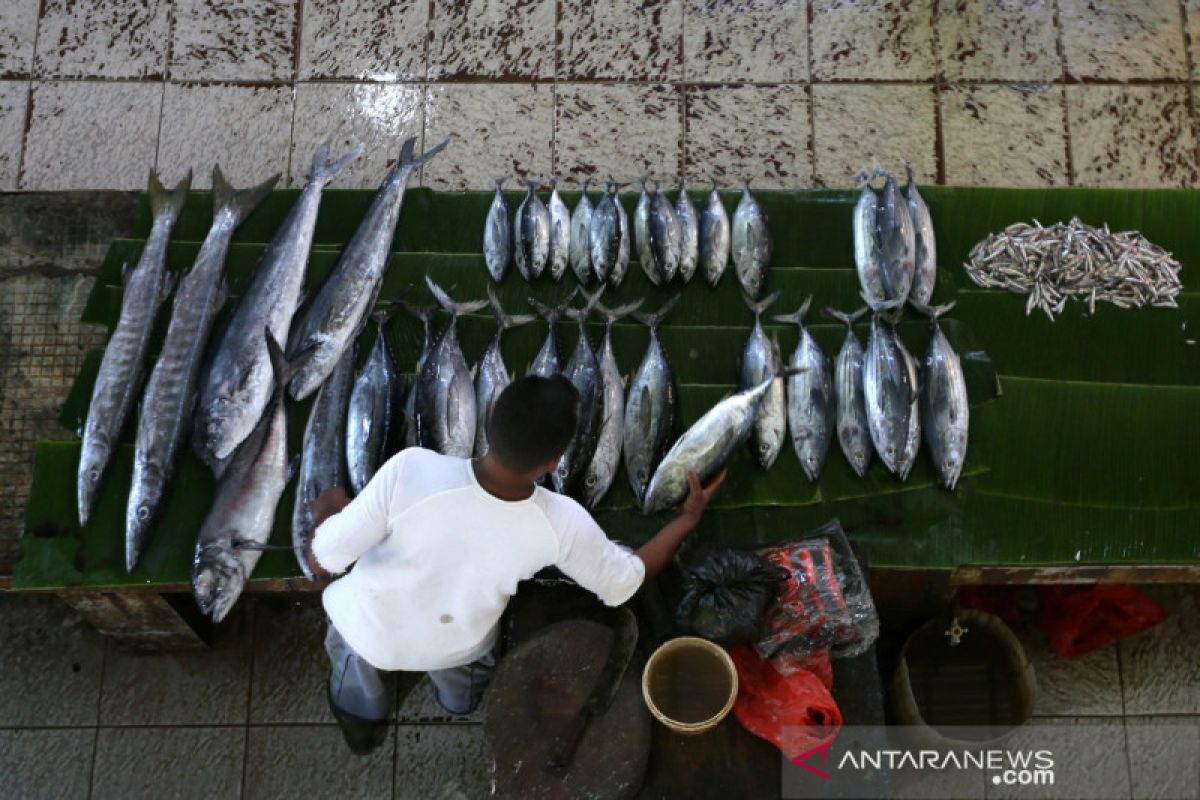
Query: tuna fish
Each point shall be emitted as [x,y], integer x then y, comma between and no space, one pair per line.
[890,390]
[560,233]
[714,238]
[689,233]
[853,429]
[665,236]
[583,371]
[581,226]
[925,258]
[603,467]
[751,243]
[868,261]
[604,233]
[621,265]
[242,513]
[120,375]
[761,360]
[491,373]
[545,364]
[336,314]
[237,387]
[373,403]
[425,314]
[323,454]
[497,235]
[531,234]
[897,242]
[650,409]
[445,404]
[810,403]
[912,442]
[944,407]
[641,234]
[167,405]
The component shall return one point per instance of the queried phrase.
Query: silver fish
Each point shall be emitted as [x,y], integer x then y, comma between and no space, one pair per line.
[170,392]
[581,227]
[583,371]
[641,234]
[761,360]
[621,265]
[607,458]
[445,405]
[373,402]
[337,312]
[868,261]
[146,287]
[890,390]
[604,233]
[912,442]
[237,387]
[897,241]
[665,236]
[751,243]
[425,314]
[689,233]
[531,234]
[925,259]
[944,406]
[810,404]
[853,431]
[497,235]
[545,364]
[651,408]
[714,238]
[560,233]
[491,373]
[323,454]
[242,513]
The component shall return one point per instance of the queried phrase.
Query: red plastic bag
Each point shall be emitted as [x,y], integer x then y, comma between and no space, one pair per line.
[1080,619]
[795,712]
[816,662]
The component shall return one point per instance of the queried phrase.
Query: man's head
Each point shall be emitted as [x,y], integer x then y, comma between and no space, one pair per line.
[532,423]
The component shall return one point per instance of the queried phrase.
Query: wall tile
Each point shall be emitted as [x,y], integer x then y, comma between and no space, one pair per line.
[761,41]
[1131,136]
[1011,40]
[872,40]
[102,39]
[14,102]
[383,41]
[623,131]
[749,132]
[18,27]
[1004,136]
[46,764]
[1116,40]
[233,40]
[313,761]
[502,129]
[378,116]
[1164,756]
[857,124]
[180,763]
[441,761]
[492,39]
[245,130]
[90,135]
[619,39]
[1161,667]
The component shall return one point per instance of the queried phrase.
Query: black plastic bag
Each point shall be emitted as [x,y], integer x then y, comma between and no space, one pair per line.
[726,593]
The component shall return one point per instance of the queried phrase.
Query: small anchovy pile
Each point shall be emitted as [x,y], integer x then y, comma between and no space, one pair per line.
[1054,263]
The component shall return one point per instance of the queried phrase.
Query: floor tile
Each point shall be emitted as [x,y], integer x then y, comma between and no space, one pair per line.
[442,761]
[1012,40]
[313,761]
[50,664]
[49,764]
[418,703]
[351,41]
[18,27]
[179,763]
[493,39]
[1164,757]
[14,101]
[233,40]
[203,688]
[749,132]
[1113,40]
[619,39]
[623,131]
[858,124]
[1161,667]
[1073,687]
[102,39]
[507,129]
[927,784]
[90,135]
[246,130]
[378,116]
[1004,136]
[872,40]
[291,670]
[761,41]
[1088,754]
[1136,136]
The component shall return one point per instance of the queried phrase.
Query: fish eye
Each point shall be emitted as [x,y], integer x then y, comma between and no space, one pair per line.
[143,512]
[94,475]
[764,448]
[641,474]
[891,451]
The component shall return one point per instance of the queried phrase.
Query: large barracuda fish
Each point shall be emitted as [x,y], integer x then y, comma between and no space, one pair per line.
[335,315]
[491,373]
[237,387]
[751,243]
[170,392]
[603,467]
[761,360]
[373,402]
[852,427]
[810,403]
[651,408]
[113,396]
[944,408]
[583,371]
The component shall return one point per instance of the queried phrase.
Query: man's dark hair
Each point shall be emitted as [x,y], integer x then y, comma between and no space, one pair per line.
[533,421]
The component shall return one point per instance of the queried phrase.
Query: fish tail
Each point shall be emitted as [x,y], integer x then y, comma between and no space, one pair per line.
[797,316]
[444,300]
[380,316]
[908,170]
[499,182]
[611,315]
[504,319]
[653,319]
[325,170]
[683,182]
[760,306]
[583,185]
[240,201]
[933,312]
[167,203]
[409,161]
[846,318]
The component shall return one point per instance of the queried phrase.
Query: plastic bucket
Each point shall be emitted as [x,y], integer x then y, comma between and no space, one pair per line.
[689,684]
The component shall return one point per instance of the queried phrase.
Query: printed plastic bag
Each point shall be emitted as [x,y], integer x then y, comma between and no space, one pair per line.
[1080,619]
[726,592]
[793,712]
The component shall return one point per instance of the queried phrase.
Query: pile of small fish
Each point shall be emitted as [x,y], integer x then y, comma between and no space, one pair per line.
[1052,264]
[673,240]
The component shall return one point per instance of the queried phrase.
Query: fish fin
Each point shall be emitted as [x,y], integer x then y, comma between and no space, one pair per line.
[499,182]
[796,317]
[544,311]
[427,155]
[170,281]
[456,309]
[167,203]
[562,307]
[933,312]
[846,318]
[325,170]
[423,313]
[240,201]
[583,185]
[760,306]
[653,319]
[124,272]
[611,315]
[380,316]
[581,314]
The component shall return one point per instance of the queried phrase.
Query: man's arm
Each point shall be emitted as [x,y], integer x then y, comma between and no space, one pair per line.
[659,551]
[345,529]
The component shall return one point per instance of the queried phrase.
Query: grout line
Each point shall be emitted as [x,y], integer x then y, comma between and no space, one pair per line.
[682,140]
[297,39]
[426,92]
[1189,62]
[554,88]
[1061,83]
[32,76]
[99,708]
[939,85]
[810,14]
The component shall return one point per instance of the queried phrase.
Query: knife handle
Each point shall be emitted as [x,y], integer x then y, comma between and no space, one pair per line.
[561,758]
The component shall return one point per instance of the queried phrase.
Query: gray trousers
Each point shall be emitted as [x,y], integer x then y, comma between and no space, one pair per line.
[358,688]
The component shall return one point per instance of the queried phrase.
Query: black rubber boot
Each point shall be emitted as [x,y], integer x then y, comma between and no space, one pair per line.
[363,736]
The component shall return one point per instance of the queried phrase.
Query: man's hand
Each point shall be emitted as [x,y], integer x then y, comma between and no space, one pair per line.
[699,496]
[326,504]
[659,551]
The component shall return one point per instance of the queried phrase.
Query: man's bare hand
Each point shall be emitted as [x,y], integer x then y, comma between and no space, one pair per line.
[326,504]
[699,496]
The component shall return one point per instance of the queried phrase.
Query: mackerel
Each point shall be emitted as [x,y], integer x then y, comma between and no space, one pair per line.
[751,243]
[445,404]
[944,405]
[714,238]
[581,226]
[810,403]
[560,233]
[373,402]
[621,265]
[607,458]
[497,235]
[852,426]
[651,408]
[689,233]
[531,234]
[491,373]
[761,360]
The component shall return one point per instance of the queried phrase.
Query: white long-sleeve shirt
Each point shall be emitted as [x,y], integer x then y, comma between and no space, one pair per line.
[439,557]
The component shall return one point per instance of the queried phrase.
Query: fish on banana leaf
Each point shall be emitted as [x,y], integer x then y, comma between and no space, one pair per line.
[665,237]
[854,435]
[651,408]
[890,390]
[560,233]
[580,255]
[583,371]
[945,411]
[373,401]
[545,364]
[607,458]
[714,238]
[751,243]
[497,235]
[531,234]
[761,360]
[604,233]
[491,373]
[689,233]
[810,403]
[925,254]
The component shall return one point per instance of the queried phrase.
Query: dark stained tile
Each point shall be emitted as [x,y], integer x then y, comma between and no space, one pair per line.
[620,40]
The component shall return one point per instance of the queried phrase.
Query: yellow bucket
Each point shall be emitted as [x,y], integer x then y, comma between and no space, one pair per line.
[689,684]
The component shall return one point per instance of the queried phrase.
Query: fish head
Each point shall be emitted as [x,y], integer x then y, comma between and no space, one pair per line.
[953,456]
[811,465]
[91,470]
[597,480]
[217,579]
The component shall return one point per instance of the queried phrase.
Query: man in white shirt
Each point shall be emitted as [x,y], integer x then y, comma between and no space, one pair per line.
[439,545]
